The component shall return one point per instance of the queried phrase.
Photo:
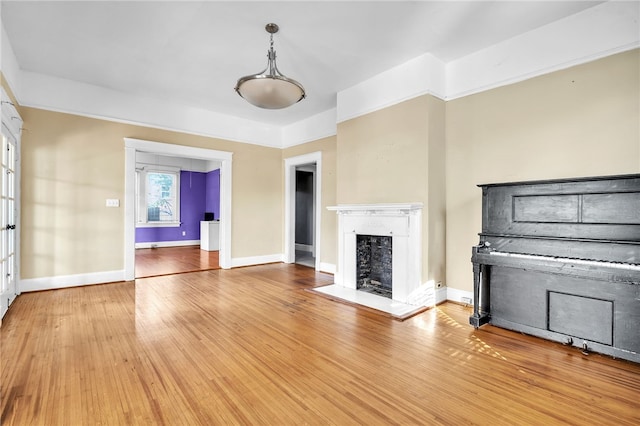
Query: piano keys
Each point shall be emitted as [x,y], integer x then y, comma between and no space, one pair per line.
[560,260]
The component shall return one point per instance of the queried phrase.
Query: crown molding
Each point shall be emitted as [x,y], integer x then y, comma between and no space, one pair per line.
[418,76]
[316,127]
[57,94]
[9,62]
[594,33]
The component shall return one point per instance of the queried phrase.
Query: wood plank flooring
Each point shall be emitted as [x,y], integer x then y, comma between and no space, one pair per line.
[174,260]
[254,346]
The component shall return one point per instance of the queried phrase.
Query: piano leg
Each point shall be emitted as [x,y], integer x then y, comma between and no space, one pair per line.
[480,297]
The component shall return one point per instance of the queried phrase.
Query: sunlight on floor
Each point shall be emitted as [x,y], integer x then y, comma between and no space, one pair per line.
[477,344]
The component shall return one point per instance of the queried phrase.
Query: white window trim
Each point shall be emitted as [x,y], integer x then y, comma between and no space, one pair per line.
[158,224]
[141,220]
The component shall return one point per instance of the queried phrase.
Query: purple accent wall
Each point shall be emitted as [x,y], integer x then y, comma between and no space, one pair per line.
[212,199]
[193,194]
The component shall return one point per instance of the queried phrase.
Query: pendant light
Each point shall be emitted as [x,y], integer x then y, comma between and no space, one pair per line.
[270,89]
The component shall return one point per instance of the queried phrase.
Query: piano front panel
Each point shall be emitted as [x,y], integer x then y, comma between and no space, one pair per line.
[545,208]
[517,297]
[583,317]
[621,208]
[601,209]
[560,306]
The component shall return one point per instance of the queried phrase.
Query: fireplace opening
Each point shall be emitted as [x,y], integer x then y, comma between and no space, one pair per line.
[373,264]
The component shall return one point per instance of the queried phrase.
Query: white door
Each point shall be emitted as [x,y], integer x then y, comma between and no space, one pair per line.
[8,222]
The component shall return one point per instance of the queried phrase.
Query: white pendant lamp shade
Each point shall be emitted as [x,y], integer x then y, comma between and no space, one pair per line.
[270,92]
[270,89]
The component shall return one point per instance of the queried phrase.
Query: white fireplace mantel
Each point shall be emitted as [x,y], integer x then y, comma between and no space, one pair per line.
[398,208]
[403,222]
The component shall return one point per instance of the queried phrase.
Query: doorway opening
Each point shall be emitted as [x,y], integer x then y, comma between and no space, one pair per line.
[134,147]
[305,218]
[177,199]
[302,209]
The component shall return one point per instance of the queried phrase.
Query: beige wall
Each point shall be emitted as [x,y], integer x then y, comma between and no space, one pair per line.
[582,121]
[71,164]
[396,155]
[436,192]
[327,146]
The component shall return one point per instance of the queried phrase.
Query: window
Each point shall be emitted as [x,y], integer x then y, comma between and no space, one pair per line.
[158,197]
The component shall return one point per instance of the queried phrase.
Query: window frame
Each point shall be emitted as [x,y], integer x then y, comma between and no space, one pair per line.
[142,201]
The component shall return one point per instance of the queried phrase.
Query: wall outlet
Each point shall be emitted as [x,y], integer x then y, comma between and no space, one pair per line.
[466,300]
[184,233]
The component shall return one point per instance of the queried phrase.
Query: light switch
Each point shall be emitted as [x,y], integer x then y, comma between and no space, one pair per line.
[113,202]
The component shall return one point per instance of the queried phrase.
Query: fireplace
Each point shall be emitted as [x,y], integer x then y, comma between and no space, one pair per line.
[391,234]
[374,264]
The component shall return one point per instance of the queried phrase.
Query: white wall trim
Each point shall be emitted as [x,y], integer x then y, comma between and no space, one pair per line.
[129,212]
[456,295]
[516,78]
[290,165]
[225,158]
[594,33]
[177,150]
[418,76]
[441,295]
[178,243]
[316,127]
[11,118]
[61,95]
[9,63]
[329,268]
[238,262]
[76,280]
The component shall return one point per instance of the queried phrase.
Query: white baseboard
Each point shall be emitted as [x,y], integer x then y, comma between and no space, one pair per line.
[64,281]
[456,295]
[329,268]
[179,243]
[237,262]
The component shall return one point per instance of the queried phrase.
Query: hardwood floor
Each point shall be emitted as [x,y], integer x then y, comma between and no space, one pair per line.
[254,346]
[174,260]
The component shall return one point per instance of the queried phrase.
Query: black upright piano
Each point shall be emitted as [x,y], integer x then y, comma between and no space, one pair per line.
[560,259]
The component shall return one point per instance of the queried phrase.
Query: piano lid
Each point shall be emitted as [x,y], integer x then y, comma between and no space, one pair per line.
[564,180]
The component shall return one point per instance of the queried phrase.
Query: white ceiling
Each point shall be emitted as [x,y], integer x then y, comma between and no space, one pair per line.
[192,52]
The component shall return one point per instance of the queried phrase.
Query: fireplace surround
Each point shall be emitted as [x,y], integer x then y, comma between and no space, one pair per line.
[401,222]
